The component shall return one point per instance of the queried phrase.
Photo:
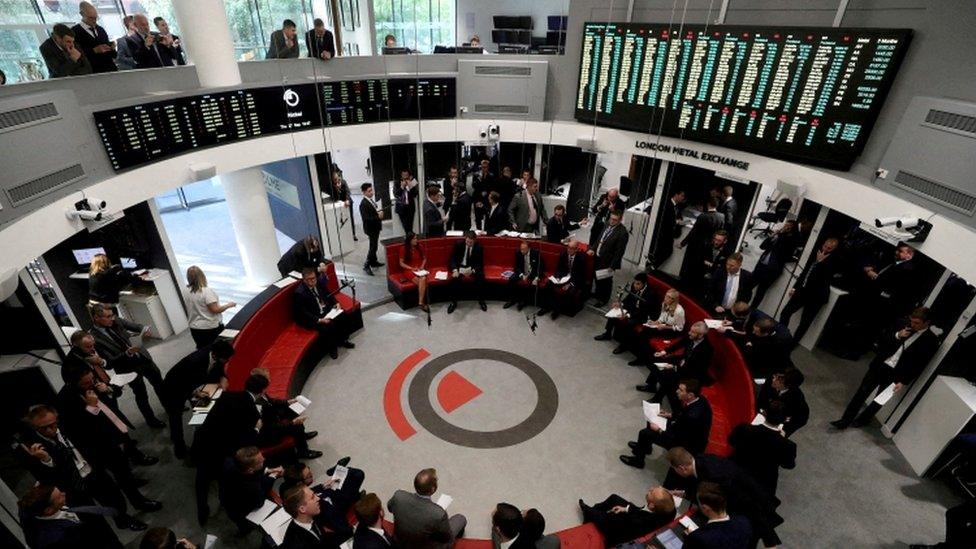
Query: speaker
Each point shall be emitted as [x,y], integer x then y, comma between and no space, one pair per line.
[795,190]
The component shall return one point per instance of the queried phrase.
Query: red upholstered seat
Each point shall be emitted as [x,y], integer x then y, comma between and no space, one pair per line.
[584,536]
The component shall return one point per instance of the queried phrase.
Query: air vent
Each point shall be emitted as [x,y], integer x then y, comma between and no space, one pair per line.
[950,121]
[25,192]
[937,192]
[12,120]
[502,70]
[505,109]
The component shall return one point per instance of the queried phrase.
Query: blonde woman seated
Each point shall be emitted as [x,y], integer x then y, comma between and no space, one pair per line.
[670,321]
[413,259]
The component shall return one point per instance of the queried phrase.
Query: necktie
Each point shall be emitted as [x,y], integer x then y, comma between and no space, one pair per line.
[467,250]
[528,266]
[571,262]
[727,299]
[603,238]
[92,510]
[533,215]
[316,532]
[112,417]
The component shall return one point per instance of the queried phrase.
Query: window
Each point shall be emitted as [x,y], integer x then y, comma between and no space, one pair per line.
[21,34]
[152,9]
[416,24]
[252,22]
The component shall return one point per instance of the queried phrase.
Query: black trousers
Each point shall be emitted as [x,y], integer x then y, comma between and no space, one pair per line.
[479,217]
[333,333]
[406,219]
[205,336]
[602,288]
[174,414]
[646,439]
[352,219]
[763,276]
[117,463]
[272,434]
[667,385]
[879,375]
[477,282]
[960,526]
[374,241]
[563,298]
[810,311]
[147,370]
[100,486]
[521,291]
[208,470]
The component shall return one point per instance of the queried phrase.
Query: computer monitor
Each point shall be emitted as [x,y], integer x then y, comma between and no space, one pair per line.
[395,51]
[128,262]
[443,49]
[469,49]
[85,256]
[509,48]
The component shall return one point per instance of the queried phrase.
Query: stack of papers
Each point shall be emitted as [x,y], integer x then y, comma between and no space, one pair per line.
[884,396]
[285,282]
[229,333]
[300,405]
[258,515]
[651,414]
[440,275]
[602,274]
[444,501]
[664,365]
[204,409]
[713,323]
[421,272]
[276,525]
[339,475]
[296,275]
[562,280]
[454,233]
[334,313]
[120,380]
[616,312]
[197,418]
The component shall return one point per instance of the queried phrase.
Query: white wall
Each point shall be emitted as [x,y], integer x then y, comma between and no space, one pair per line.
[352,162]
[480,12]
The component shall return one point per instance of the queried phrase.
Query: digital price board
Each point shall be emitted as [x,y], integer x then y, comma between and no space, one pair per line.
[804,94]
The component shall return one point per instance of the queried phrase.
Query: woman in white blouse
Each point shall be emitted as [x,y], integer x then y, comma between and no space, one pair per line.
[206,321]
[672,314]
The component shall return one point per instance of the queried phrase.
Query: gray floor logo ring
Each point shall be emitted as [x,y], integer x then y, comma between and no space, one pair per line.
[538,420]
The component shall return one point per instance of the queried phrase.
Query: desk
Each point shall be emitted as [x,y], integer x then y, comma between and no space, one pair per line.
[813,334]
[948,405]
[161,310]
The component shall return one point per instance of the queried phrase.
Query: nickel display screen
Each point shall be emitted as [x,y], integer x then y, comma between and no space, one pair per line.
[805,94]
[141,134]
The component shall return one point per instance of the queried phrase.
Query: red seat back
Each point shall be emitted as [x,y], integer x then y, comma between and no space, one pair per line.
[258,334]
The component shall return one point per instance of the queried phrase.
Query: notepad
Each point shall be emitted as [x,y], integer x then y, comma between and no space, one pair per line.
[334,313]
[120,380]
[285,282]
[440,275]
[454,233]
[339,476]
[444,501]
[211,542]
[229,333]
[276,525]
[258,515]
[616,312]
[197,418]
[713,323]
[759,419]
[884,396]
[560,281]
[651,414]
[603,274]
[664,365]
[300,405]
[688,523]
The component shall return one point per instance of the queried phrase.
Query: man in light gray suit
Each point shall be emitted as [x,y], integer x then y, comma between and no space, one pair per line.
[419,523]
[527,213]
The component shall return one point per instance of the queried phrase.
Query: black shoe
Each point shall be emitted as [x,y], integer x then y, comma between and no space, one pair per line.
[367,270]
[334,353]
[451,308]
[645,388]
[520,307]
[148,505]
[377,264]
[179,452]
[636,362]
[310,454]
[840,424]
[633,461]
[619,350]
[143,459]
[605,336]
[344,461]
[554,315]
[202,516]
[583,507]
[126,522]
[860,422]
[348,344]
[632,444]
[542,312]
[508,305]
[598,304]
[155,423]
[355,238]
[483,305]
[309,435]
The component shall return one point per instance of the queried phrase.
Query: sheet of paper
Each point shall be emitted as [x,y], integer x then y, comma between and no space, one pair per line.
[444,501]
[210,542]
[466,270]
[528,235]
[479,232]
[508,274]
[759,419]
[602,274]
[421,272]
[616,312]
[333,313]
[678,501]
[285,282]
[203,409]
[217,394]
[651,411]
[197,419]
[884,396]
[713,323]
[688,523]
[258,515]
[303,400]
[454,233]
[339,475]
[296,275]
[276,525]
[663,365]
[229,333]
[297,407]
[120,380]
[440,275]
[759,381]
[562,280]
[346,544]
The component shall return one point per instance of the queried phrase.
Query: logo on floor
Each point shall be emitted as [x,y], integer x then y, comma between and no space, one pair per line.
[454,391]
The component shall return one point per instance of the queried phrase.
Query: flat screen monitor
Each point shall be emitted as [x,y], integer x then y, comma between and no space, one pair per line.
[809,95]
[84,256]
[395,51]
[128,262]
[469,49]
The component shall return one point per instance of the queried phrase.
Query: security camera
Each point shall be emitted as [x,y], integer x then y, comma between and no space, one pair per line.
[86,215]
[96,204]
[885,221]
[493,131]
[908,223]
[483,133]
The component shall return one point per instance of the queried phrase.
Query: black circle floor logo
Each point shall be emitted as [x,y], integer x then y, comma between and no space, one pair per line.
[454,391]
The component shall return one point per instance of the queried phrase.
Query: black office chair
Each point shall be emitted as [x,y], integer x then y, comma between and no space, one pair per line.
[770,218]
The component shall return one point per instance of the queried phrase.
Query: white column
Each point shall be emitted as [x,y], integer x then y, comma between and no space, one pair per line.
[250,213]
[206,38]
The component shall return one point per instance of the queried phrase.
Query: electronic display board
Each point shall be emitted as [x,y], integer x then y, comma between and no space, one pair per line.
[804,94]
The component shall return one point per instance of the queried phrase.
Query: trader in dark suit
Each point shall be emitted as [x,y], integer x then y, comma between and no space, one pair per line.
[609,252]
[371,213]
[901,357]
[434,219]
[49,524]
[721,531]
[688,426]
[320,42]
[482,182]
[93,41]
[761,450]
[283,43]
[526,276]
[777,251]
[496,216]
[245,484]
[785,387]
[307,252]
[567,297]
[893,287]
[559,226]
[745,496]
[670,228]
[728,207]
[697,243]
[767,348]
[419,522]
[527,213]
[506,528]
[607,203]
[172,46]
[405,200]
[302,532]
[689,359]
[145,46]
[812,289]
[312,303]
[339,192]
[61,56]
[636,307]
[84,357]
[202,366]
[334,500]
[111,335]
[467,265]
[728,285]
[459,210]
[621,521]
[369,531]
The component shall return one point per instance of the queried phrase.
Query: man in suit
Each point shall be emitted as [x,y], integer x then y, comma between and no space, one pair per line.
[339,192]
[777,251]
[636,308]
[202,366]
[369,531]
[145,46]
[621,521]
[767,348]
[84,356]
[306,252]
[334,500]
[283,43]
[483,182]
[53,460]
[609,252]
[527,213]
[721,531]
[371,213]
[568,296]
[745,496]
[232,423]
[688,360]
[728,207]
[762,449]
[697,242]
[496,217]
[559,226]
[123,58]
[459,208]
[506,525]
[670,228]
[419,522]
[405,200]
[812,289]
[688,426]
[893,288]
[731,284]
[93,41]
[245,484]
[111,335]
[279,421]
[901,357]
[301,503]
[784,387]
[606,204]
[467,265]
[320,42]
[526,276]
[171,44]
[48,523]
[434,219]
[61,56]
[311,305]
